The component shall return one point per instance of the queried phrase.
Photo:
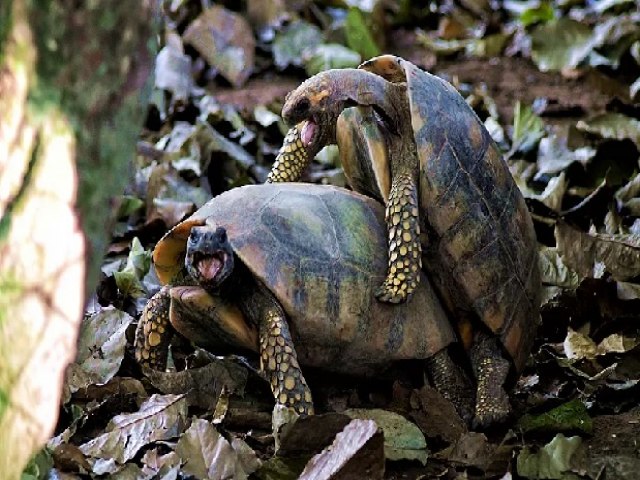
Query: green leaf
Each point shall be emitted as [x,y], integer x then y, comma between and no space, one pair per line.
[128,205]
[489,46]
[331,55]
[290,44]
[542,13]
[129,278]
[612,125]
[528,129]
[562,43]
[569,417]
[39,466]
[403,440]
[551,462]
[359,37]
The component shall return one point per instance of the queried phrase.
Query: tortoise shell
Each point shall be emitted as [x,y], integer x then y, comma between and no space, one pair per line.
[320,251]
[482,244]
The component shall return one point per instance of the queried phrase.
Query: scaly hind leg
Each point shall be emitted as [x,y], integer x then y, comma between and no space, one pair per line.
[491,370]
[452,382]
[278,358]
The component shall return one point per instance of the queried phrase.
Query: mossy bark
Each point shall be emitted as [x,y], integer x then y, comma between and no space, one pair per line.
[70,112]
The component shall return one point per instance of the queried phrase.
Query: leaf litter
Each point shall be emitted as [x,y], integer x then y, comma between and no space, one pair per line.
[554,82]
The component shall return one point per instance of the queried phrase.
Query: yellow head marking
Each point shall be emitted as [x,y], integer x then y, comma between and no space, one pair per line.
[317,97]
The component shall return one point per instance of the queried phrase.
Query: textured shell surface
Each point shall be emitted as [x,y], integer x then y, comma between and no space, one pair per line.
[484,234]
[321,252]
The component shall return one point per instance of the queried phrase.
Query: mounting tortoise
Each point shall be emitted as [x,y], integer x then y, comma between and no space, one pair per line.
[408,138]
[288,271]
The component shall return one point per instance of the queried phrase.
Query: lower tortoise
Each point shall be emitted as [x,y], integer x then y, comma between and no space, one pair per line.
[409,139]
[288,271]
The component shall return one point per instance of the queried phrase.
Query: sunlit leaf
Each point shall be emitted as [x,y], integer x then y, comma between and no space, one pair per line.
[358,36]
[173,69]
[488,46]
[541,13]
[554,192]
[291,43]
[628,291]
[612,38]
[554,271]
[101,347]
[578,346]
[528,129]
[403,440]
[554,155]
[568,417]
[559,44]
[128,205]
[553,461]
[225,40]
[181,148]
[331,55]
[440,46]
[264,116]
[208,455]
[612,125]
[634,90]
[617,343]
[364,5]
[357,448]
[165,467]
[129,278]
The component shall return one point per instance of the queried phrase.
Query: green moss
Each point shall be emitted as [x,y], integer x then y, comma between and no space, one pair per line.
[6,22]
[86,70]
[10,290]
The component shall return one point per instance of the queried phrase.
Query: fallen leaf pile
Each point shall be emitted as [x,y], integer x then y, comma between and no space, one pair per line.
[555,83]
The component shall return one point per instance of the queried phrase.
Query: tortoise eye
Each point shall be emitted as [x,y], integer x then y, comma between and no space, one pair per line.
[221,233]
[194,236]
[302,107]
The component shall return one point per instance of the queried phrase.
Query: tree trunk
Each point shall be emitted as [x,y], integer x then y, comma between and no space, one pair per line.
[70,111]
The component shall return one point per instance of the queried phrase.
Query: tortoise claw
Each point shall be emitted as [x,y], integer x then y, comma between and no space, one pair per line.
[487,419]
[390,293]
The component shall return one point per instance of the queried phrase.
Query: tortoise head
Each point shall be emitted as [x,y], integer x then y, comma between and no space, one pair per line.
[320,100]
[317,102]
[209,258]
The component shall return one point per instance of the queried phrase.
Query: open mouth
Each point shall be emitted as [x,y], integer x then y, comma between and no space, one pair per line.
[309,132]
[209,266]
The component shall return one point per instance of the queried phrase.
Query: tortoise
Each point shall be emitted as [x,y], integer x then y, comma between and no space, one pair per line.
[288,271]
[409,139]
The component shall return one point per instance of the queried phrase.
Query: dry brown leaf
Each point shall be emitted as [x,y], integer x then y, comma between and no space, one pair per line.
[356,453]
[160,418]
[590,254]
[226,41]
